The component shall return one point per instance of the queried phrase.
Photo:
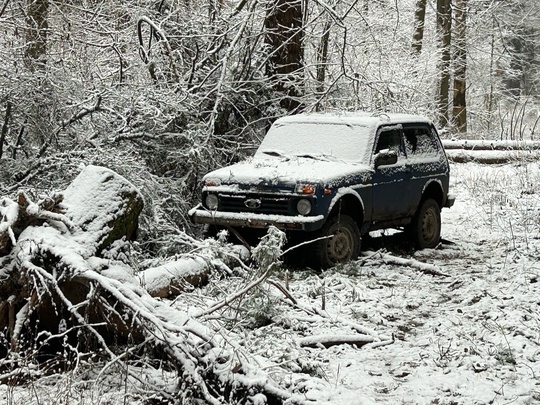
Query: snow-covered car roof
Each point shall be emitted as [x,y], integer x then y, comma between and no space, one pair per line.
[353,118]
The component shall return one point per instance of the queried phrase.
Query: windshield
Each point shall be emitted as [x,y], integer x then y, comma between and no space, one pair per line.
[318,140]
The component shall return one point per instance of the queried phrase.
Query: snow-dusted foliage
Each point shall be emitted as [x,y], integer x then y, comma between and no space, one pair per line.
[161,92]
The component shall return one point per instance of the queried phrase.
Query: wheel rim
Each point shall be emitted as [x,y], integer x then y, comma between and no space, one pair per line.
[429,226]
[340,245]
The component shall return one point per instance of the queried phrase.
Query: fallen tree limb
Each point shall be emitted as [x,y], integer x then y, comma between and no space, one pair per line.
[492,156]
[415,264]
[485,144]
[173,278]
[327,341]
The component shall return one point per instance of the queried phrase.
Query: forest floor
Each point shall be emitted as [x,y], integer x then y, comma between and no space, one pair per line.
[461,328]
[470,337]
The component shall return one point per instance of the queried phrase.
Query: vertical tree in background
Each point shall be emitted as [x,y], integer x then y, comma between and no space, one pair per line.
[322,57]
[444,32]
[419,20]
[459,111]
[36,33]
[284,41]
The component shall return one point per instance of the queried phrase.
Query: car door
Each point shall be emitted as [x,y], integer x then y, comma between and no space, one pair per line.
[391,182]
[424,156]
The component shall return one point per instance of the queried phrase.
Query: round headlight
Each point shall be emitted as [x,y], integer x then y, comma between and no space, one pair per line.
[211,201]
[303,206]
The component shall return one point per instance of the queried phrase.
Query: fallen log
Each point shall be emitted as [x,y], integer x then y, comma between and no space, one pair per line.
[55,240]
[173,278]
[492,156]
[326,341]
[486,144]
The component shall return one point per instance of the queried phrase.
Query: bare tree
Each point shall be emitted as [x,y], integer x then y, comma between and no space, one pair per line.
[37,26]
[419,21]
[444,30]
[284,39]
[460,66]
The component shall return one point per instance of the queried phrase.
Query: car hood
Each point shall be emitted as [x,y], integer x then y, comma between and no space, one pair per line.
[278,172]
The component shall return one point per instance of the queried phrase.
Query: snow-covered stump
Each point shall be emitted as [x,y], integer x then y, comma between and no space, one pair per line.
[51,245]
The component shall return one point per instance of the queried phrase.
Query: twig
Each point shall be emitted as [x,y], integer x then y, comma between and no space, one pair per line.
[4,8]
[415,264]
[81,114]
[327,341]
[236,295]
[282,288]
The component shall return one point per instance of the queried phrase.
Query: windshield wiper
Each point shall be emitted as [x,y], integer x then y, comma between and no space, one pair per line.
[316,156]
[274,153]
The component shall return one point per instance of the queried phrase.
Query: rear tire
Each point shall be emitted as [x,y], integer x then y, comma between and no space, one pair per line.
[426,225]
[341,242]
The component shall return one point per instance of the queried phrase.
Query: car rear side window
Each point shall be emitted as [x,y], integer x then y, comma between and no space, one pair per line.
[419,141]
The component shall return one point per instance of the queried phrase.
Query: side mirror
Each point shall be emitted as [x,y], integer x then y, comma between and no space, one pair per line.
[385,157]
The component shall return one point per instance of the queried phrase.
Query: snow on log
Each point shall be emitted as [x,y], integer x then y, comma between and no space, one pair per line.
[491,151]
[326,341]
[400,261]
[55,241]
[104,206]
[492,156]
[485,144]
[170,279]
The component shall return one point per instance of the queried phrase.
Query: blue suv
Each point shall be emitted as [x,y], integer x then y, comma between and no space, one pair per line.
[333,178]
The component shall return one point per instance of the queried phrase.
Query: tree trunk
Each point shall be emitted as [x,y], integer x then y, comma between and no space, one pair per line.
[419,20]
[37,26]
[322,59]
[460,70]
[284,38]
[5,127]
[444,30]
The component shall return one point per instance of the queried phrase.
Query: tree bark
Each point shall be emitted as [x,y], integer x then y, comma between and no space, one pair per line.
[5,126]
[419,20]
[444,29]
[459,112]
[284,38]
[322,57]
[37,26]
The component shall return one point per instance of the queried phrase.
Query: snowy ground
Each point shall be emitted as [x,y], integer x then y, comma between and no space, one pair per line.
[468,335]
[470,338]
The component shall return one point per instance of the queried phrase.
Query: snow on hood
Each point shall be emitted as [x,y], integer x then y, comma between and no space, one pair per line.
[281,171]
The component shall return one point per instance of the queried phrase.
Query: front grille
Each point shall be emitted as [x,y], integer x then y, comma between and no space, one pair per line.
[268,204]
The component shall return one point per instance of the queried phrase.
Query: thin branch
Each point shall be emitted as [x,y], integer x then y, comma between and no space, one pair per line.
[236,295]
[4,8]
[81,114]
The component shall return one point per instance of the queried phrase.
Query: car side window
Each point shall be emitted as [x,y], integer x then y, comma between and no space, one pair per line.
[390,139]
[419,141]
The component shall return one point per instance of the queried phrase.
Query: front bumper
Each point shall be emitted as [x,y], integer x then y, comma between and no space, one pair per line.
[200,215]
[450,199]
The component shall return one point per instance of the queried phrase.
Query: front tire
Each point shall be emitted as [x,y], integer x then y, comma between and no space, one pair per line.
[426,226]
[341,242]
